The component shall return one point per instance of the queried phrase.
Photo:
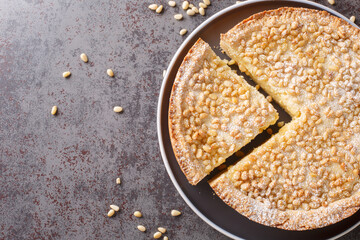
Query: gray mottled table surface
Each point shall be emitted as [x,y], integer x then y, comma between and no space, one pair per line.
[57,173]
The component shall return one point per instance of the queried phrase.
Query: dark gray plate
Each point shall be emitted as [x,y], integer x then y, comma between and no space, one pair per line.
[201,198]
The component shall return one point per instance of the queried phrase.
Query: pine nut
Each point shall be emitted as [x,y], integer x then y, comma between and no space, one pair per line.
[202,5]
[162,230]
[165,238]
[195,9]
[137,214]
[332,2]
[66,74]
[178,16]
[352,18]
[172,3]
[190,12]
[118,181]
[115,208]
[202,11]
[157,235]
[191,5]
[185,5]
[159,9]
[111,213]
[153,6]
[110,72]
[54,110]
[280,124]
[118,109]
[175,213]
[207,2]
[141,228]
[183,31]
[84,57]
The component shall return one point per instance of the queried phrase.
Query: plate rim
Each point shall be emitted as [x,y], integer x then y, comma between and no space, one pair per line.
[162,92]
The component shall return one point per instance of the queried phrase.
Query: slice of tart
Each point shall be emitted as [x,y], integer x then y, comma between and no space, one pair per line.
[213,112]
[307,175]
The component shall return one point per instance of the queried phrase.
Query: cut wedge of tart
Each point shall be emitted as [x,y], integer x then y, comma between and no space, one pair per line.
[307,175]
[213,112]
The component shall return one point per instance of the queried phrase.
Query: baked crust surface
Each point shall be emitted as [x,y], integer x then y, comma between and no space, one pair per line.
[307,175]
[213,112]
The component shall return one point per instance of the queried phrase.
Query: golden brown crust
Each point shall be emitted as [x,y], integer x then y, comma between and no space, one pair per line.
[263,211]
[192,169]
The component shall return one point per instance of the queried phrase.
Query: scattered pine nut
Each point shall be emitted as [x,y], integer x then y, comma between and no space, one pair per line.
[137,214]
[191,5]
[111,213]
[159,9]
[231,62]
[190,12]
[110,72]
[207,2]
[165,238]
[178,16]
[84,57]
[185,5]
[118,181]
[54,110]
[269,131]
[332,2]
[162,230]
[115,208]
[175,213]
[202,11]
[164,73]
[269,98]
[202,5]
[157,235]
[118,109]
[66,74]
[195,9]
[172,3]
[141,228]
[183,31]
[153,6]
[280,124]
[257,87]
[352,18]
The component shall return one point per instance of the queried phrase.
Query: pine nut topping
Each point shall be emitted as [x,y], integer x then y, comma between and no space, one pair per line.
[141,228]
[118,109]
[115,208]
[137,214]
[178,16]
[185,5]
[162,230]
[157,235]
[207,2]
[202,11]
[175,213]
[84,57]
[190,12]
[195,9]
[332,2]
[159,9]
[202,5]
[118,181]
[66,74]
[111,213]
[172,3]
[352,18]
[153,6]
[165,238]
[54,110]
[110,72]
[280,124]
[183,31]
[269,98]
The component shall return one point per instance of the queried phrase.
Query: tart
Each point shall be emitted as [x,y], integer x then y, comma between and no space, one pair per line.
[213,112]
[307,175]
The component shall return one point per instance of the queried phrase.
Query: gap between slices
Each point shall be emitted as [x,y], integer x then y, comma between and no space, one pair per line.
[307,175]
[213,112]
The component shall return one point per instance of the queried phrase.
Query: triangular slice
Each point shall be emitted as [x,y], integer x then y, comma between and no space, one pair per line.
[213,112]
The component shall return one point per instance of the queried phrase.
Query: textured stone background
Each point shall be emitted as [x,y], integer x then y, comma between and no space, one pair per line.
[57,173]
